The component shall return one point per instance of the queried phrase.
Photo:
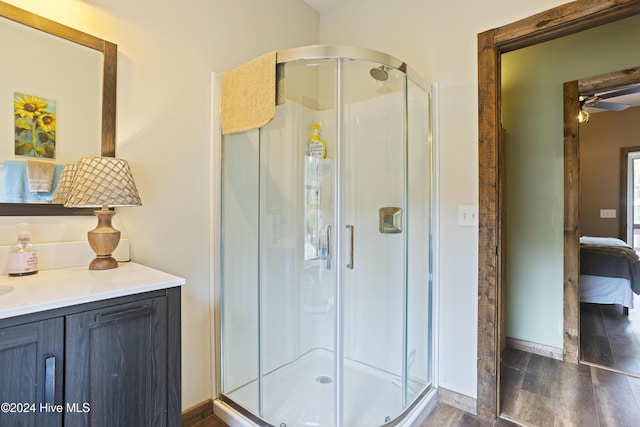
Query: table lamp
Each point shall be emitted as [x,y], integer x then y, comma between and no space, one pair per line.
[103,182]
[64,184]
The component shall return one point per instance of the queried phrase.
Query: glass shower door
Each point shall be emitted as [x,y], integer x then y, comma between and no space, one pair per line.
[297,267]
[239,265]
[373,238]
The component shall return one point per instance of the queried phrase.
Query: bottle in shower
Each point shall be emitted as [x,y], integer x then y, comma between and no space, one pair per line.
[23,256]
[317,147]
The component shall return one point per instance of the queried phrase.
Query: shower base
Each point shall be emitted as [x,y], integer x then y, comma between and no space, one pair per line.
[302,394]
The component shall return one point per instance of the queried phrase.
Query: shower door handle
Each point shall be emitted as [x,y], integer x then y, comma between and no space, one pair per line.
[328,243]
[351,229]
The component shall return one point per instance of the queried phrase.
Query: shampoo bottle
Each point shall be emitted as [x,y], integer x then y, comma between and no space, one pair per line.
[23,257]
[317,147]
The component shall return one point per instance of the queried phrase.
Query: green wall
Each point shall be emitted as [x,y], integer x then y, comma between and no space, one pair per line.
[532,80]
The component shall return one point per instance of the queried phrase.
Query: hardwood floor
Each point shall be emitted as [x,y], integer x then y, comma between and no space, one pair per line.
[539,391]
[448,416]
[211,421]
[610,339]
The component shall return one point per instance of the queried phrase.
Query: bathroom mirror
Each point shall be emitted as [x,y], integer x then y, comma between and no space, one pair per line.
[75,70]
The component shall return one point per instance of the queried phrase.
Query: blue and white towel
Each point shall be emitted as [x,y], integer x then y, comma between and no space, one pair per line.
[17,185]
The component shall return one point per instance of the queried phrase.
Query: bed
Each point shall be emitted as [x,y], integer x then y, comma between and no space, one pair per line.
[609,272]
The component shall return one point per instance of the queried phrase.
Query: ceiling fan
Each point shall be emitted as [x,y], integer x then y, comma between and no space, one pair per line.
[596,100]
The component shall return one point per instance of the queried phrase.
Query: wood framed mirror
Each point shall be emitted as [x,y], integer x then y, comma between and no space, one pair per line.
[581,195]
[105,92]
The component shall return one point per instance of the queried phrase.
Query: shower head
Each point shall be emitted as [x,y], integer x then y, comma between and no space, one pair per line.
[380,73]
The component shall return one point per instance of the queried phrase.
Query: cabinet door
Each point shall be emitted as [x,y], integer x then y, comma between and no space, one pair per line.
[31,363]
[116,366]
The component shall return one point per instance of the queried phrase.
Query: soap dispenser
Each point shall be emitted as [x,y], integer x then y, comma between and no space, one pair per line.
[317,147]
[23,256]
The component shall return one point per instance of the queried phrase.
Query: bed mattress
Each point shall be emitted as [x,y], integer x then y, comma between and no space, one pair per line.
[606,290]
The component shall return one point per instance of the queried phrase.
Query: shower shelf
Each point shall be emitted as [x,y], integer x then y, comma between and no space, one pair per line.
[319,306]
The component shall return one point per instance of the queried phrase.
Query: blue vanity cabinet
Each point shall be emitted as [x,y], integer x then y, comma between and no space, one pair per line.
[117,363]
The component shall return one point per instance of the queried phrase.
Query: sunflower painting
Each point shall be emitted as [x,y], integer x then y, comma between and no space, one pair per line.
[35,126]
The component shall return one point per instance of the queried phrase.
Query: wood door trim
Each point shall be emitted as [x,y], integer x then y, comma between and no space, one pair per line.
[571,288]
[553,23]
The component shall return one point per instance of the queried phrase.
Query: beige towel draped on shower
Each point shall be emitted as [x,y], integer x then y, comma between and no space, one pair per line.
[249,94]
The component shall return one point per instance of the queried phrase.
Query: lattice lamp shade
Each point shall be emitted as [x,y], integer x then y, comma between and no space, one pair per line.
[64,184]
[102,181]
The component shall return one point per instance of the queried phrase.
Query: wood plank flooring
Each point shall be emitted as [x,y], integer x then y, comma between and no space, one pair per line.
[211,421]
[448,416]
[539,391]
[610,339]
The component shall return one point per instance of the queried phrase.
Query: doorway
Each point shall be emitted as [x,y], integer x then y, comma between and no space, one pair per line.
[555,23]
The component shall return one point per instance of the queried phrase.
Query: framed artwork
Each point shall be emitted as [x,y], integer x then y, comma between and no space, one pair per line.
[35,126]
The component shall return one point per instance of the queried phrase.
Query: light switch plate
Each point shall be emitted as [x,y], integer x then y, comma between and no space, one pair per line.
[607,213]
[468,216]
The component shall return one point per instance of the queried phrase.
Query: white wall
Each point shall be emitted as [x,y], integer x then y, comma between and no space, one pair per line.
[167,52]
[439,40]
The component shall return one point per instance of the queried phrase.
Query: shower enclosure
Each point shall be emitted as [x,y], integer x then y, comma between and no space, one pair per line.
[325,256]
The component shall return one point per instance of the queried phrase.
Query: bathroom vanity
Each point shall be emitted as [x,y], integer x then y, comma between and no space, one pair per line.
[81,347]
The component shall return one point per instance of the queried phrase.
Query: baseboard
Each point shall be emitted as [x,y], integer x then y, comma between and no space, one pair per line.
[457,400]
[197,413]
[535,348]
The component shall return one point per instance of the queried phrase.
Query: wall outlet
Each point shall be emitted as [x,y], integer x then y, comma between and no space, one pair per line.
[468,216]
[607,213]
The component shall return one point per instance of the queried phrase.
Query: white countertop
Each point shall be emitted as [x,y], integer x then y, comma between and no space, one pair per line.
[64,287]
